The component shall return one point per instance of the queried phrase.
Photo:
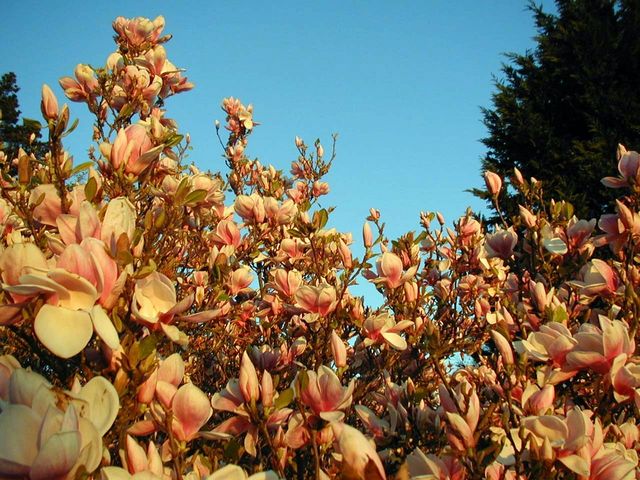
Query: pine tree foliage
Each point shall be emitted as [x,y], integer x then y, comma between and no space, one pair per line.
[13,134]
[560,111]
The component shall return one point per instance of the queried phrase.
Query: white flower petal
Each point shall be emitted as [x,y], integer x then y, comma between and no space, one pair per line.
[104,327]
[64,332]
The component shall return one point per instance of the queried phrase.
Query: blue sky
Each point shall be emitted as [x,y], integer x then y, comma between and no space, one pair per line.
[401,82]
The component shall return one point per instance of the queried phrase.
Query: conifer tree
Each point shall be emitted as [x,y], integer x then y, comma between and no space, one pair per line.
[560,111]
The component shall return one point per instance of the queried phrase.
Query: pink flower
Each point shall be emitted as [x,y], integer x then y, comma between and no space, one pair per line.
[320,300]
[49,207]
[597,277]
[338,350]
[133,150]
[430,466]
[323,393]
[240,280]
[501,243]
[250,208]
[249,384]
[49,103]
[84,87]
[42,437]
[383,328]
[287,282]
[191,410]
[494,182]
[359,457]
[597,348]
[367,235]
[629,168]
[390,271]
[137,31]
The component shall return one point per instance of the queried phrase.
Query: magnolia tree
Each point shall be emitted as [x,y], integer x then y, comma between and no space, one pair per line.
[159,322]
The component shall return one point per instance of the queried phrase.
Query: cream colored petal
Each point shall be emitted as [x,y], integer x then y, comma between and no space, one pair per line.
[103,326]
[64,332]
[82,294]
[91,449]
[57,456]
[19,427]
[101,403]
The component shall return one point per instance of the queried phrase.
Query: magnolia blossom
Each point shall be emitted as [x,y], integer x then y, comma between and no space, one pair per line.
[321,299]
[41,438]
[49,103]
[493,182]
[119,219]
[430,466]
[462,424]
[155,305]
[629,168]
[287,282]
[84,87]
[250,207]
[324,393]
[390,271]
[84,275]
[597,277]
[383,328]
[147,464]
[596,348]
[139,30]
[359,457]
[234,472]
[133,150]
[501,243]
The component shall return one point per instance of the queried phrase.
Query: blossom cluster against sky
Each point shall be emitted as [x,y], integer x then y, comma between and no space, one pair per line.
[402,84]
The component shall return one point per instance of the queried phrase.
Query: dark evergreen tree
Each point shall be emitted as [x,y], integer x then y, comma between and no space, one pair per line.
[13,134]
[560,111]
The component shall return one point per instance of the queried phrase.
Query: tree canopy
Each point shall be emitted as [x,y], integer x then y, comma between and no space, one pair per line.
[15,135]
[560,111]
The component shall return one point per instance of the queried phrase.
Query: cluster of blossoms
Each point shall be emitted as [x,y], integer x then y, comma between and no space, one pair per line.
[161,322]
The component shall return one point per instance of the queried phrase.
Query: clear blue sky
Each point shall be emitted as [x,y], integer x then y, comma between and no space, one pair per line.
[401,82]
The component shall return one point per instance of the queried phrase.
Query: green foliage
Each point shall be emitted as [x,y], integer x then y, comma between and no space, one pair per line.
[560,111]
[14,135]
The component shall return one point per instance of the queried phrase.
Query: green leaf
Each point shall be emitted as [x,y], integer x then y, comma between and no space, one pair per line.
[90,189]
[320,219]
[80,168]
[32,124]
[195,197]
[147,346]
[182,190]
[73,126]
[284,398]
[174,140]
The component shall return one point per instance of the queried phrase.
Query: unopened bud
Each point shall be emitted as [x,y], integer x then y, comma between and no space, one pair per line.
[367,235]
[517,176]
[338,350]
[493,182]
[320,150]
[49,103]
[24,169]
[299,142]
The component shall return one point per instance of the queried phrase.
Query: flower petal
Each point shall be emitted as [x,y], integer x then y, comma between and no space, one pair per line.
[64,332]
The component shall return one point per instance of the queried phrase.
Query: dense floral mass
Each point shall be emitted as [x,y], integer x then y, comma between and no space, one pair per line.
[161,322]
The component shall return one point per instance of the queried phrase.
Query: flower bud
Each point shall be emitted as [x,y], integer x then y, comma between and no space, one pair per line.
[49,103]
[517,176]
[338,350]
[493,182]
[367,236]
